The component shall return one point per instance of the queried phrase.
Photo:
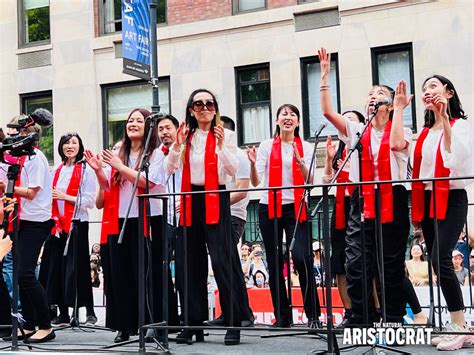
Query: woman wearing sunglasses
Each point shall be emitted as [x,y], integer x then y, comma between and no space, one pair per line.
[117,182]
[284,161]
[73,188]
[207,154]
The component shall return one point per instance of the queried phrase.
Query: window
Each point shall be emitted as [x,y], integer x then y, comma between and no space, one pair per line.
[252,230]
[111,15]
[33,22]
[312,114]
[29,103]
[390,64]
[248,5]
[119,100]
[253,104]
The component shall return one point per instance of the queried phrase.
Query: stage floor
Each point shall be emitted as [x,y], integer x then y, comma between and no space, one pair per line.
[69,341]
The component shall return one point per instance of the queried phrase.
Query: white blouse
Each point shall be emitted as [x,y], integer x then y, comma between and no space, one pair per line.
[126,187]
[461,159]
[227,159]
[398,159]
[86,199]
[263,167]
[173,185]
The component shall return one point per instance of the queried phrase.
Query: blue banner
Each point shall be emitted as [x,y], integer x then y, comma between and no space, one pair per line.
[136,37]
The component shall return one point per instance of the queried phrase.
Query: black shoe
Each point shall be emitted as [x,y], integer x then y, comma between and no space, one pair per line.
[44,339]
[282,323]
[345,319]
[61,320]
[247,322]
[5,333]
[20,337]
[121,337]
[186,336]
[232,337]
[218,322]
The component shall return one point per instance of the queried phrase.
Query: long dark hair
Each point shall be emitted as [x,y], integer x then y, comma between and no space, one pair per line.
[392,96]
[422,256]
[65,139]
[190,120]
[293,109]
[454,103]
[124,152]
[342,145]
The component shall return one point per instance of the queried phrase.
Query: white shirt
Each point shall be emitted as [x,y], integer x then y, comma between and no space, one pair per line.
[35,173]
[173,185]
[86,199]
[239,209]
[461,159]
[263,167]
[227,160]
[126,186]
[398,159]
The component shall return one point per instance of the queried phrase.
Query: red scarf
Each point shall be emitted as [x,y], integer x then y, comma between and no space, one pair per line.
[340,196]
[63,223]
[275,179]
[165,150]
[110,216]
[385,173]
[20,161]
[418,188]
[211,182]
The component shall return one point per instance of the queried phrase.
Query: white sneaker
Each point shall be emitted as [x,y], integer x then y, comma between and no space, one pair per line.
[440,337]
[456,341]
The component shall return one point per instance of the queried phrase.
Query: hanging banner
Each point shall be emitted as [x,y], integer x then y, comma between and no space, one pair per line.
[136,38]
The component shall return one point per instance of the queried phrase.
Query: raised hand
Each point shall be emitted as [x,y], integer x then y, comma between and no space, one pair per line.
[111,159]
[94,160]
[324,61]
[297,154]
[440,104]
[252,154]
[182,133]
[219,133]
[330,149]
[401,100]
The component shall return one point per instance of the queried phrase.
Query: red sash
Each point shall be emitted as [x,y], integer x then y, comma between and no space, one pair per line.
[165,150]
[275,179]
[211,182]
[418,188]
[340,196]
[385,173]
[20,161]
[63,223]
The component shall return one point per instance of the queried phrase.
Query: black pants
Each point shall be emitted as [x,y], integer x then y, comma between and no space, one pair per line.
[338,242]
[31,237]
[394,239]
[110,312]
[225,264]
[5,304]
[238,228]
[412,298]
[302,261]
[448,234]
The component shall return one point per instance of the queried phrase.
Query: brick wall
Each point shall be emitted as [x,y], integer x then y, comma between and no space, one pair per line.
[271,4]
[183,11]
[96,19]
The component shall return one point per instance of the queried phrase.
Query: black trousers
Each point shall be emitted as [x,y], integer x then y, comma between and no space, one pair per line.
[225,264]
[338,241]
[394,239]
[448,234]
[110,310]
[5,304]
[412,298]
[302,260]
[34,302]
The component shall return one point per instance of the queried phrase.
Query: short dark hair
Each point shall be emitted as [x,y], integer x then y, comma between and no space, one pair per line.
[66,138]
[228,122]
[173,120]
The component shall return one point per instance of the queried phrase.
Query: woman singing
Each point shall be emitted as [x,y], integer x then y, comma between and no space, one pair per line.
[283,161]
[444,149]
[73,188]
[118,180]
[206,153]
[385,153]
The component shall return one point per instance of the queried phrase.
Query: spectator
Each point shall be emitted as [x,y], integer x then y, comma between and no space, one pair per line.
[244,254]
[256,263]
[318,270]
[461,272]
[462,246]
[260,279]
[417,267]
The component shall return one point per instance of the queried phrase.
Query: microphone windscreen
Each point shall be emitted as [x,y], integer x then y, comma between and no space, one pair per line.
[42,117]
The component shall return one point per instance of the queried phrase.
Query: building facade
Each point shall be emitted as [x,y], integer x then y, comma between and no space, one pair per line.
[254,54]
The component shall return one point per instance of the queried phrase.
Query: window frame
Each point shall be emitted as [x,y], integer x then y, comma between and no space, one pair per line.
[236,11]
[393,48]
[102,22]
[38,95]
[105,87]
[21,29]
[305,94]
[240,130]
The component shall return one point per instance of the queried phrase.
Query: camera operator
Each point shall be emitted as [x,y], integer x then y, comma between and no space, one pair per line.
[33,190]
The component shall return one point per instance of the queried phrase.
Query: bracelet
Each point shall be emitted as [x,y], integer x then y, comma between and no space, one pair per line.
[323,89]
[324,86]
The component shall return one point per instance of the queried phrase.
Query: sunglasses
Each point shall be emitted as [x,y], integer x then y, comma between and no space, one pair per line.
[198,106]
[70,135]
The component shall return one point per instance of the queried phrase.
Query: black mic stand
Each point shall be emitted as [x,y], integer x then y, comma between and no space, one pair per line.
[310,285]
[74,234]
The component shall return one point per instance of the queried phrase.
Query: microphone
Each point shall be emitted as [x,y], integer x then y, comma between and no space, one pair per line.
[386,101]
[39,116]
[319,130]
[154,116]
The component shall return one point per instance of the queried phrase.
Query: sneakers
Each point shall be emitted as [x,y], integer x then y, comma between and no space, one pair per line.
[61,320]
[91,320]
[453,341]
